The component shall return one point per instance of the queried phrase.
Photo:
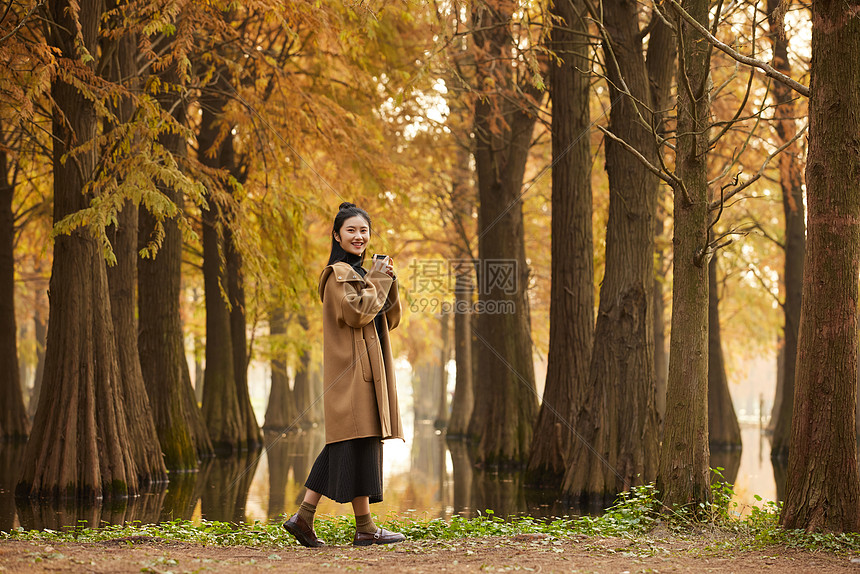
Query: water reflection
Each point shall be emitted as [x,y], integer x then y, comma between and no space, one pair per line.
[183,493]
[462,475]
[289,458]
[227,485]
[730,463]
[779,472]
[11,455]
[426,476]
[37,515]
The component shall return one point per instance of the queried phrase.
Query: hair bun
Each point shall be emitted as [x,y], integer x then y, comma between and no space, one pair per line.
[346,205]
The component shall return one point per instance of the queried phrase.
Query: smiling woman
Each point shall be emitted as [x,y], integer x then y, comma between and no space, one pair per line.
[360,396]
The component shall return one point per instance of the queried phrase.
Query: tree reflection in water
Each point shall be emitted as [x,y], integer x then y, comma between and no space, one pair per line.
[729,461]
[428,477]
[226,492]
[11,454]
[183,493]
[289,456]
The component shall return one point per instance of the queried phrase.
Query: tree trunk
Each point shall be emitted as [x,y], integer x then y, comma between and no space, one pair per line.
[14,422]
[684,476]
[178,420]
[780,378]
[425,373]
[724,432]
[617,421]
[442,384]
[281,414]
[226,405]
[661,357]
[822,486]
[505,403]
[791,182]
[199,351]
[306,395]
[122,280]
[220,400]
[572,274]
[660,63]
[464,398]
[80,444]
[40,331]
[238,334]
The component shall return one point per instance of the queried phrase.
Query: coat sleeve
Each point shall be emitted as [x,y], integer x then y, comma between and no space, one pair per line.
[359,303]
[392,306]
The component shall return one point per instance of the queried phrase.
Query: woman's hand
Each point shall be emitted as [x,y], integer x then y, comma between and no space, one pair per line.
[383,264]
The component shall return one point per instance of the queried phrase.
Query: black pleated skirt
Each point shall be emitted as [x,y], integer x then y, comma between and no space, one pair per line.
[347,469]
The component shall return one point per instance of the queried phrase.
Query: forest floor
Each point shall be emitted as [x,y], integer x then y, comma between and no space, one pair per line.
[658,552]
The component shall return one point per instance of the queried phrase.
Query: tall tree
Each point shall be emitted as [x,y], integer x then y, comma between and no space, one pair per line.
[220,401]
[617,418]
[239,342]
[791,184]
[724,432]
[505,403]
[463,201]
[684,476]
[119,66]
[822,486]
[572,275]
[181,430]
[226,402]
[14,423]
[82,398]
[660,63]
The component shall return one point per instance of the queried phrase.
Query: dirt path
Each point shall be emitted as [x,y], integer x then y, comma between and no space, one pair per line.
[530,553]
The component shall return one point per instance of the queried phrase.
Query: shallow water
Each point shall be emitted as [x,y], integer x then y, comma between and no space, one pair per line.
[423,476]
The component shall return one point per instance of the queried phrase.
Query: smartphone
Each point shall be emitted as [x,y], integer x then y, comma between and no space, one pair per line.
[379,256]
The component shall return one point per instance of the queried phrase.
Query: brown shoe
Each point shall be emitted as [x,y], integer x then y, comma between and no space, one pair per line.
[303,533]
[381,536]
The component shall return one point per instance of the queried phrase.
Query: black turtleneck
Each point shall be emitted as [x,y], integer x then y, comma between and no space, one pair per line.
[355,262]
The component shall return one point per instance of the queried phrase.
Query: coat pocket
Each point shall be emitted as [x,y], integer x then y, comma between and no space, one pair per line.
[375,355]
[361,350]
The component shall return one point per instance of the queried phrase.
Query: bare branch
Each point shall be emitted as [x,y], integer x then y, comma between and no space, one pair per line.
[728,125]
[669,178]
[725,48]
[753,179]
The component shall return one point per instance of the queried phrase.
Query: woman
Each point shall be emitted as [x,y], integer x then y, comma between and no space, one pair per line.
[360,398]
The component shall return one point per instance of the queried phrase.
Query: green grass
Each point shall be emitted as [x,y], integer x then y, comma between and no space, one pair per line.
[636,515]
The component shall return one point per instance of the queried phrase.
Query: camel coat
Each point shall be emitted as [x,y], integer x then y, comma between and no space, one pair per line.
[360,394]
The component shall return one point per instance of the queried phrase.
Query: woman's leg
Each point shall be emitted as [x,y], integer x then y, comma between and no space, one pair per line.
[360,505]
[313,498]
[309,507]
[363,521]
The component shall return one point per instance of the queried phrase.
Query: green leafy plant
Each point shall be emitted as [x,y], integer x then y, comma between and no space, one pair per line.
[636,514]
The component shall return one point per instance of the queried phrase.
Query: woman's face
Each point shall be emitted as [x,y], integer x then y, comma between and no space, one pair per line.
[354,235]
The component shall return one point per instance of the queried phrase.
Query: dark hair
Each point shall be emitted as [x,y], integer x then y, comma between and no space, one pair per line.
[345,211]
